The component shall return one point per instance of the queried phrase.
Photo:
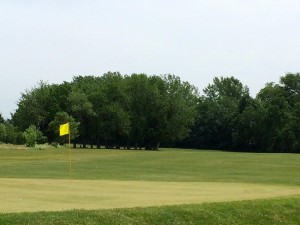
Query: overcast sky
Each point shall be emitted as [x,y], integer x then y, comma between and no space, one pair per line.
[255,41]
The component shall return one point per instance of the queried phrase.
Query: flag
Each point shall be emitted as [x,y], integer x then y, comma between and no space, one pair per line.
[64,129]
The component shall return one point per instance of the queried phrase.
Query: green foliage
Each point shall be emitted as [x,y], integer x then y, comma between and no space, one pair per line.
[32,107]
[3,133]
[113,110]
[139,88]
[1,118]
[62,118]
[226,87]
[33,136]
[30,136]
[218,112]
[143,111]
[14,135]
[229,119]
[291,87]
[181,102]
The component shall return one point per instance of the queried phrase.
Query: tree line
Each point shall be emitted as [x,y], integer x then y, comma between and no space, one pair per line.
[139,111]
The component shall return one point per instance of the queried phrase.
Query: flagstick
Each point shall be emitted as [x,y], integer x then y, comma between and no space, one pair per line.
[70,153]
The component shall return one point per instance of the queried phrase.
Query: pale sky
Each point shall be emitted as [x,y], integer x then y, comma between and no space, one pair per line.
[255,41]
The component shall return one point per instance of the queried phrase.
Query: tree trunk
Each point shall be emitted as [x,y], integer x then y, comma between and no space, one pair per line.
[98,143]
[74,143]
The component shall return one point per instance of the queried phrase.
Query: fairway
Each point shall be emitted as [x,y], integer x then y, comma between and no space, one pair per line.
[38,180]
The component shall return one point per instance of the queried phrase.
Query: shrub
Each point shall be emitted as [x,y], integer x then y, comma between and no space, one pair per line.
[33,136]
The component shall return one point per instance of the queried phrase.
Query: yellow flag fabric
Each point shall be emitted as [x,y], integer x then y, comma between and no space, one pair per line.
[64,129]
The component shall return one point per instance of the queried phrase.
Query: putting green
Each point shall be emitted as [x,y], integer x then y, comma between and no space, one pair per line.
[19,195]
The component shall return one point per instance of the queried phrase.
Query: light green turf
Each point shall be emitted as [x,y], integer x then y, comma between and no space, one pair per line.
[20,195]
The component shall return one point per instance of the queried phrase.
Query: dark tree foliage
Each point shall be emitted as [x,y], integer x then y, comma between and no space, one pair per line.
[218,110]
[139,111]
[1,118]
[136,111]
[229,119]
[62,118]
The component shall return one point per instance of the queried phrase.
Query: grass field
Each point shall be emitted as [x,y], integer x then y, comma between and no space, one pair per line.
[255,212]
[164,165]
[35,180]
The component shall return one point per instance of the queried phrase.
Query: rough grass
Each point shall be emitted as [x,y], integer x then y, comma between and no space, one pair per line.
[258,212]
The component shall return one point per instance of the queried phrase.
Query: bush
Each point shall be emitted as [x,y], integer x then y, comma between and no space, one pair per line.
[33,136]
[13,134]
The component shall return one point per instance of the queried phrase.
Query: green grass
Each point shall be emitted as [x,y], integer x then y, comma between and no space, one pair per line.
[264,212]
[182,170]
[165,165]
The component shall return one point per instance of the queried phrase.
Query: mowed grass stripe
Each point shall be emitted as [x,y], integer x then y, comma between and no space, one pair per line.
[165,165]
[20,195]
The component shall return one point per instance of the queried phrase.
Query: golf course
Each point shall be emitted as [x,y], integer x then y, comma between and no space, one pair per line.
[169,186]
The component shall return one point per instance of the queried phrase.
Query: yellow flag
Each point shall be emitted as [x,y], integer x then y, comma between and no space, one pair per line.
[64,129]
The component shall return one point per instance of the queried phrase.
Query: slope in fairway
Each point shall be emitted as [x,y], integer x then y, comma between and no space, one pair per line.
[18,195]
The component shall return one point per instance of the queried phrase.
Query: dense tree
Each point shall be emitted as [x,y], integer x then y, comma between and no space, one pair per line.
[218,112]
[36,107]
[59,119]
[291,87]
[226,87]
[249,133]
[13,134]
[82,111]
[39,105]
[114,110]
[230,119]
[139,89]
[181,102]
[3,133]
[1,118]
[140,111]
[276,115]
